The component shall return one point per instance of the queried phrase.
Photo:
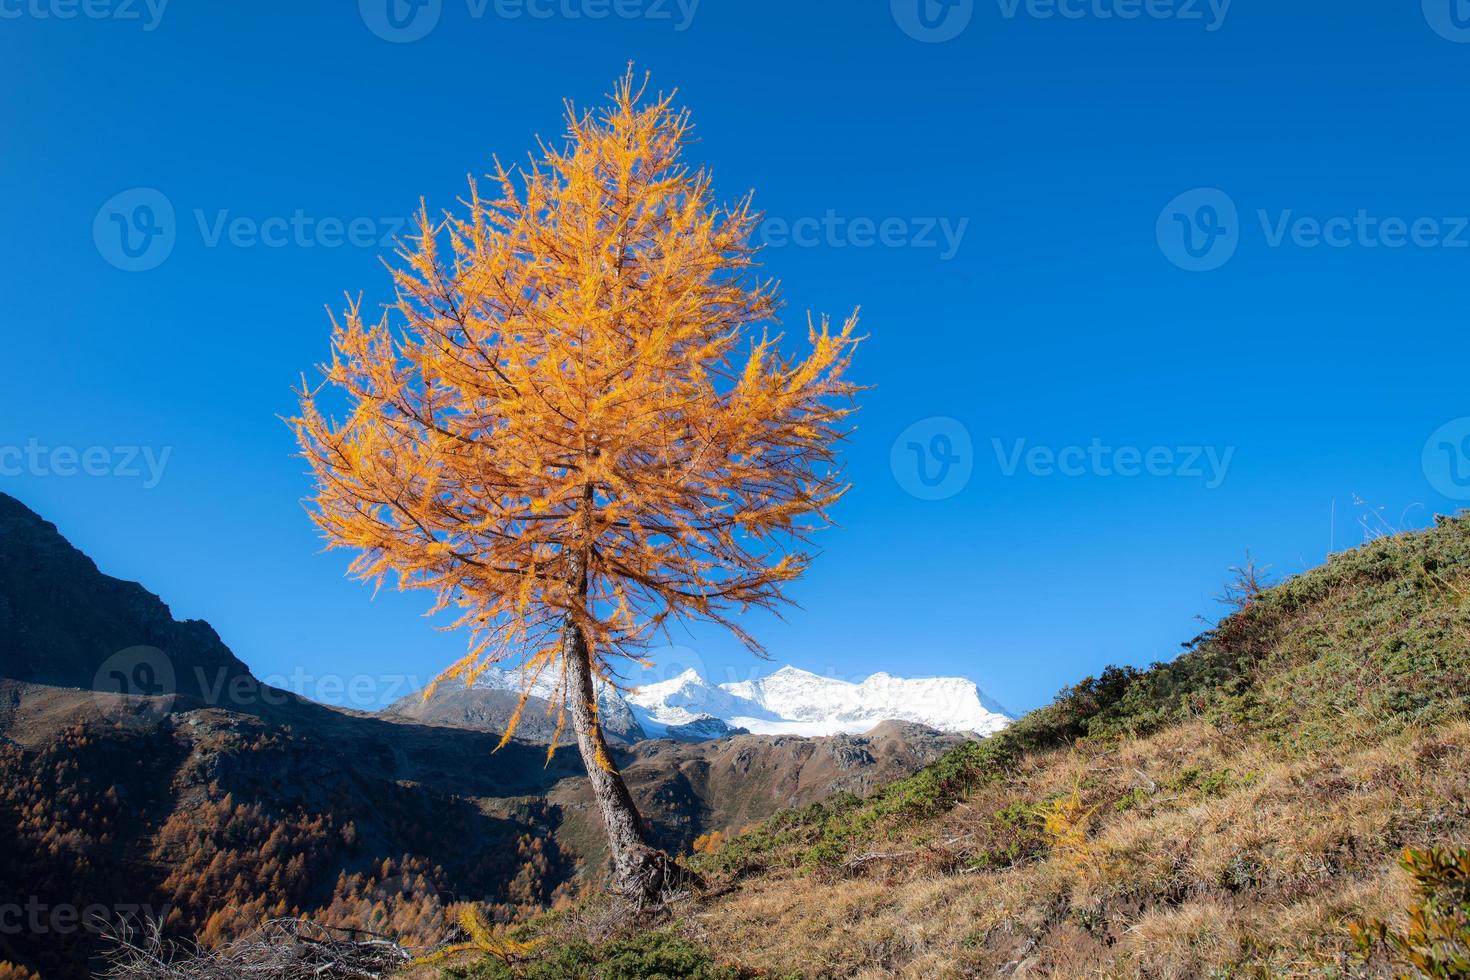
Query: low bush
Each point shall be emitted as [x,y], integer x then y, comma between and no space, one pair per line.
[1437,941]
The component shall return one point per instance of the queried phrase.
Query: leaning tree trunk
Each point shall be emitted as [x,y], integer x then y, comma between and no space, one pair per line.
[640,872]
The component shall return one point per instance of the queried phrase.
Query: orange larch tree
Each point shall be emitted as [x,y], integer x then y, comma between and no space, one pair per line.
[575,427]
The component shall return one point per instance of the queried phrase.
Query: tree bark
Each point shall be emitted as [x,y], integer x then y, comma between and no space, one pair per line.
[640,872]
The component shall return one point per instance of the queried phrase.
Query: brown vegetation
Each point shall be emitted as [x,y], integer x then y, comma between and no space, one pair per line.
[1202,852]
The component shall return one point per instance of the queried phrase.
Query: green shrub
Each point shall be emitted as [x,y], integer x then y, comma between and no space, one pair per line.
[1437,941]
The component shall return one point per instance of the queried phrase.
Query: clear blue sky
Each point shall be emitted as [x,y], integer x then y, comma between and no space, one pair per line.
[1064,315]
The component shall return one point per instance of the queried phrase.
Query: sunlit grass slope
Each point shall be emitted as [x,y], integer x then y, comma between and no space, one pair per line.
[1232,813]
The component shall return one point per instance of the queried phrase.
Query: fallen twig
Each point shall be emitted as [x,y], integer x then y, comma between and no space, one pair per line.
[860,860]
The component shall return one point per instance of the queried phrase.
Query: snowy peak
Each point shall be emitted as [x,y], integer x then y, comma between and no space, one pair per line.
[545,687]
[514,681]
[799,702]
[689,700]
[790,701]
[950,704]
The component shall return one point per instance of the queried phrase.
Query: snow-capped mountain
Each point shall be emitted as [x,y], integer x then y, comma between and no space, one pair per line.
[688,698]
[798,702]
[500,679]
[789,702]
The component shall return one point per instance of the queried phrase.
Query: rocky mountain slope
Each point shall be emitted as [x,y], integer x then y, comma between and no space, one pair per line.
[491,703]
[694,788]
[1236,812]
[61,621]
[143,770]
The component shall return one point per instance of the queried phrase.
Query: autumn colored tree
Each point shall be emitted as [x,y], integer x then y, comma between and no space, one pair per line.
[575,426]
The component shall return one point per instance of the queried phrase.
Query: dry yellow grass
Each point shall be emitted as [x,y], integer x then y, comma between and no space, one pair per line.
[1201,855]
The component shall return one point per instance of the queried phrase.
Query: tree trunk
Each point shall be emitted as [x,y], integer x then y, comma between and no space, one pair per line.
[640,872]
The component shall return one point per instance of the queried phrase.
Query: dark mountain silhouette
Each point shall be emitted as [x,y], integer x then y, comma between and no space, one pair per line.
[62,621]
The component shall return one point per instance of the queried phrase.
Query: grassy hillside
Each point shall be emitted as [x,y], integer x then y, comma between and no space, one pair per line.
[1229,814]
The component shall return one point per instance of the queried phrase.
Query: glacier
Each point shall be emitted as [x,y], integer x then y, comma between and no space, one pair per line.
[798,702]
[687,707]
